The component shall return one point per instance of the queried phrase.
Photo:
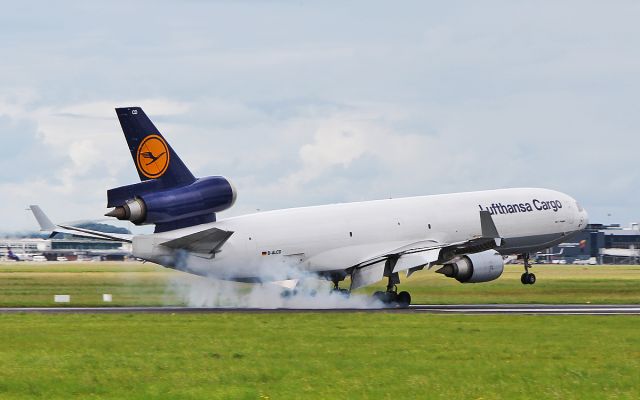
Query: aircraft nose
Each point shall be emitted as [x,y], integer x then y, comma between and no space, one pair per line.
[583,219]
[583,216]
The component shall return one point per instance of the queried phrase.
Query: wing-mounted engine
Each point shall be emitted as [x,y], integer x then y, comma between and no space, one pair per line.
[477,267]
[145,203]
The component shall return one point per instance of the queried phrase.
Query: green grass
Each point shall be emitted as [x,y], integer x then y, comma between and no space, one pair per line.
[76,267]
[556,284]
[23,284]
[319,356]
[316,355]
[131,284]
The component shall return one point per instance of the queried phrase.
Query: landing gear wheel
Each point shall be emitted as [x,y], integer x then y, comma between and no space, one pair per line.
[288,293]
[390,297]
[528,279]
[531,279]
[403,299]
[379,295]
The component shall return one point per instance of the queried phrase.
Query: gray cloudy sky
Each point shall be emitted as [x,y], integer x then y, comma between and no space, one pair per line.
[303,103]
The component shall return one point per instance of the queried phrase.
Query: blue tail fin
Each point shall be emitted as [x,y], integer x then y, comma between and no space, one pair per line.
[152,155]
[12,256]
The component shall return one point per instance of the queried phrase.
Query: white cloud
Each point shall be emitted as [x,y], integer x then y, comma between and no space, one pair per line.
[313,103]
[336,142]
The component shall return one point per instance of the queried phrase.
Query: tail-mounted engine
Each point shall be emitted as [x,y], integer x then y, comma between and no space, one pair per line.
[169,196]
[148,203]
[477,267]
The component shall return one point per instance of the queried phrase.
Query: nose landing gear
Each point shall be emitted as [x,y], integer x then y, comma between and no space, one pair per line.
[527,278]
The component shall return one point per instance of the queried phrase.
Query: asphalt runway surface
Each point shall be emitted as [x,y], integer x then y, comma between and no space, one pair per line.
[464,309]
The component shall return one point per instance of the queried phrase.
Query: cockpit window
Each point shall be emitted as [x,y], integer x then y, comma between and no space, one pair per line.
[579,207]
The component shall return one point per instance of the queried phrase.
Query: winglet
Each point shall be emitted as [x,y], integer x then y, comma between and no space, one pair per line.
[488,227]
[44,221]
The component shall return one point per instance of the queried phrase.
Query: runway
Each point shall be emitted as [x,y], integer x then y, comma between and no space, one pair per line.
[464,309]
[547,309]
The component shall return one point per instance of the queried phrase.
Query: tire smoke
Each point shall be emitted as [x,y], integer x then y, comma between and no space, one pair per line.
[305,291]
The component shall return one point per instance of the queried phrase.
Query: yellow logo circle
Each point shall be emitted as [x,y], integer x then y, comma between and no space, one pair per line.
[153,157]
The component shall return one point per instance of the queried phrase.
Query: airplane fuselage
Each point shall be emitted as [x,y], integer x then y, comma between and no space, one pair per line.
[335,237]
[461,235]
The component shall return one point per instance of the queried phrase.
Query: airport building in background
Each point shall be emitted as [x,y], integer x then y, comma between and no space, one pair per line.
[69,249]
[603,244]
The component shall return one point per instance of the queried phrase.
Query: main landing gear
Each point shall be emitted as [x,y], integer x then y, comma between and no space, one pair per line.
[527,278]
[337,289]
[391,296]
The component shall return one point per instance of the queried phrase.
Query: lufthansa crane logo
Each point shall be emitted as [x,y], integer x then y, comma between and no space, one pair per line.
[153,156]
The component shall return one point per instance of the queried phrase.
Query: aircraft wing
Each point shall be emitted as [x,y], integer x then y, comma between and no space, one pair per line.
[415,256]
[204,244]
[47,226]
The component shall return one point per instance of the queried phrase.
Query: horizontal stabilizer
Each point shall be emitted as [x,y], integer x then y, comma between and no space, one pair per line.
[47,226]
[206,242]
[88,233]
[44,221]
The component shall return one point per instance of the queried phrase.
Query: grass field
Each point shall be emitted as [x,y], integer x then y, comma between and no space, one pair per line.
[319,356]
[316,355]
[23,284]
[556,284]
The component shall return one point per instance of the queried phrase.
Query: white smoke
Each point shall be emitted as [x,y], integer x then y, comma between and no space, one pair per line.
[306,292]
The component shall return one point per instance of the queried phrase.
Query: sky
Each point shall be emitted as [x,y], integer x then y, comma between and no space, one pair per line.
[304,103]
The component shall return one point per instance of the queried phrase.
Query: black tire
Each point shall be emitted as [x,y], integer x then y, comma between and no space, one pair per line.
[390,297]
[531,279]
[379,295]
[385,297]
[523,278]
[403,299]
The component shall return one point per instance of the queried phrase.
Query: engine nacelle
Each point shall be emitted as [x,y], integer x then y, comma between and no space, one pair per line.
[205,196]
[477,267]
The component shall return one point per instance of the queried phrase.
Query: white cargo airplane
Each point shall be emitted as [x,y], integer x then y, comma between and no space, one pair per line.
[460,235]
